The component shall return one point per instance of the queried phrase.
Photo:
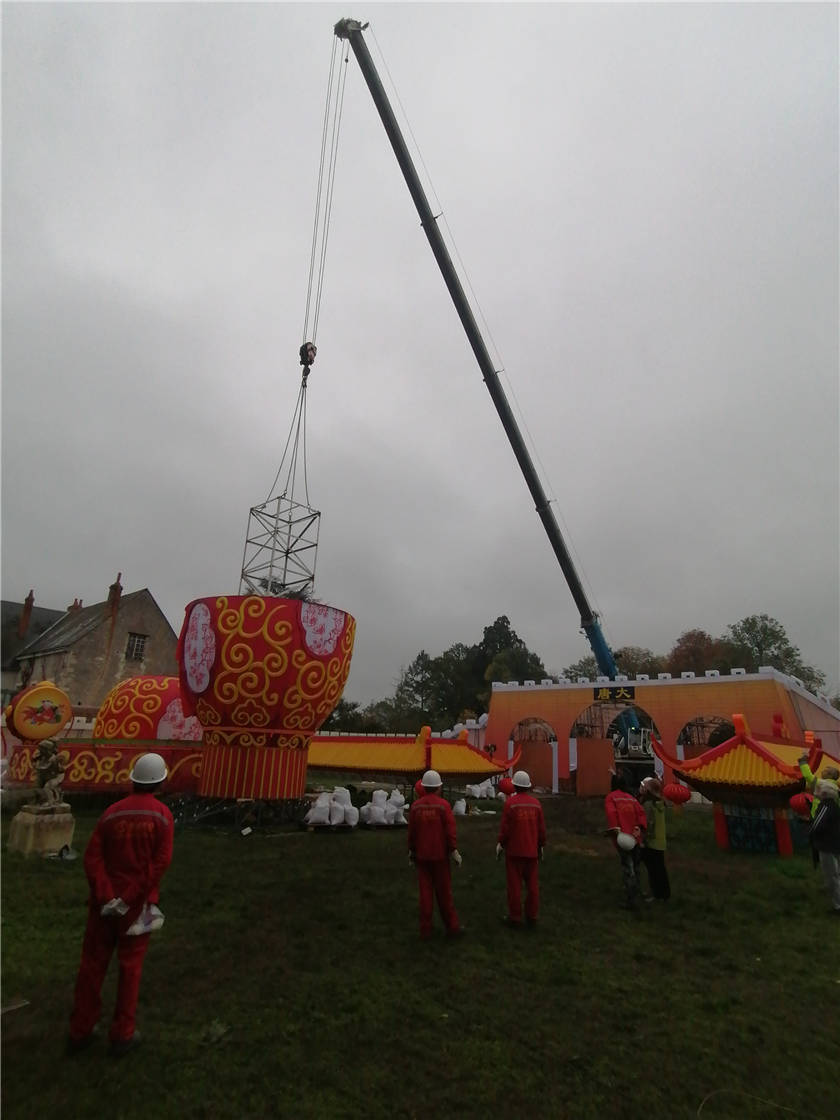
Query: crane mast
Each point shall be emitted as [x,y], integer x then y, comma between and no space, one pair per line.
[351,30]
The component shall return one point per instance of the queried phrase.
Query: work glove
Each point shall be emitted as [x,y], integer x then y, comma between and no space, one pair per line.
[456,855]
[115,908]
[499,850]
[542,854]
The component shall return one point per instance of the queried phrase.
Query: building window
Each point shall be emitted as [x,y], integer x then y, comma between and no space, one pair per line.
[136,647]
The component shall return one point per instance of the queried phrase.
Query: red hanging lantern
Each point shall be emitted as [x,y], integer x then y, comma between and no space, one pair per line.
[418,788]
[506,786]
[677,794]
[801,804]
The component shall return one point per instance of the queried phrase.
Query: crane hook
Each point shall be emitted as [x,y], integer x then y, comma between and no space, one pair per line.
[307,357]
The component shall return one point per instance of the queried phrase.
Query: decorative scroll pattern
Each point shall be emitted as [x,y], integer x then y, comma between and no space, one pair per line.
[91,767]
[133,708]
[266,678]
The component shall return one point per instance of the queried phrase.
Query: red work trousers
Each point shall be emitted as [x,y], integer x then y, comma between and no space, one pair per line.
[519,870]
[435,881]
[101,938]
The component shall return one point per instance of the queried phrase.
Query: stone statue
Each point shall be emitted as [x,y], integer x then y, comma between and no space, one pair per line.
[49,770]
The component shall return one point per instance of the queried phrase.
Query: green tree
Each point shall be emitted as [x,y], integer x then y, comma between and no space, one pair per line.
[759,640]
[632,660]
[586,667]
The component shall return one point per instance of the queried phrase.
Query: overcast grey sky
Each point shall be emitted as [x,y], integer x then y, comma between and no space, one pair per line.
[645,198]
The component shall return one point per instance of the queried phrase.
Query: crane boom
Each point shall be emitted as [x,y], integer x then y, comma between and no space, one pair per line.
[351,30]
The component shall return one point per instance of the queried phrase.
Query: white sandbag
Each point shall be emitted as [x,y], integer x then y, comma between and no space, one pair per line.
[390,813]
[322,799]
[336,812]
[341,795]
[396,798]
[376,815]
[364,813]
[501,796]
[471,790]
[351,815]
[378,797]
[460,807]
[399,815]
[319,814]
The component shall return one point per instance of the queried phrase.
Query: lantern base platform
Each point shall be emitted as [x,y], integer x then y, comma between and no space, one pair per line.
[42,829]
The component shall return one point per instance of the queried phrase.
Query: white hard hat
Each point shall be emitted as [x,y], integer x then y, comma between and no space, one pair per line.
[432,780]
[521,780]
[625,841]
[148,770]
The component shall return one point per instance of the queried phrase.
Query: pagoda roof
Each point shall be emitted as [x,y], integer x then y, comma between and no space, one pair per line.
[402,754]
[745,763]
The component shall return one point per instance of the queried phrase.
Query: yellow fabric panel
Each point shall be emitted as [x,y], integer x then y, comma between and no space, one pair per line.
[367,754]
[398,756]
[453,758]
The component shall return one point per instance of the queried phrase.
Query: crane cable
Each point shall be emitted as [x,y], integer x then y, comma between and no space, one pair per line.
[317,261]
[324,195]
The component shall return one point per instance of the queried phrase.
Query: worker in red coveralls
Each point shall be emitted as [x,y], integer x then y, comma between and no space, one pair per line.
[627,823]
[126,857]
[522,839]
[431,841]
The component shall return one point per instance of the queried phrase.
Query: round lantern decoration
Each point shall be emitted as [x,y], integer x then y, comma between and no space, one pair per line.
[39,712]
[677,794]
[146,708]
[507,787]
[418,788]
[801,804]
[261,674]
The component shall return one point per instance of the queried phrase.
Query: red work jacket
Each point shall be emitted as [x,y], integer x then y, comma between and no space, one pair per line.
[129,851]
[522,831]
[624,811]
[431,828]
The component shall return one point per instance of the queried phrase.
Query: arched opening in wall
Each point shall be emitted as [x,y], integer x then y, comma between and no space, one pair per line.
[538,742]
[605,740]
[702,733]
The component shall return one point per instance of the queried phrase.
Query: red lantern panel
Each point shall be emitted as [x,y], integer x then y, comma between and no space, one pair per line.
[676,793]
[801,804]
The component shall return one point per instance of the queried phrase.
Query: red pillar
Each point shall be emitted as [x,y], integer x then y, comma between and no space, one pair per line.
[784,840]
[721,831]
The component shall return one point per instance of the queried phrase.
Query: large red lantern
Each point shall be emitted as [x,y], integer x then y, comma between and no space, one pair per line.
[506,786]
[146,708]
[261,674]
[801,804]
[676,793]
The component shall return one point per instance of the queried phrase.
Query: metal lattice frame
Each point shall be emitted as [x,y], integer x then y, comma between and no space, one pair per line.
[280,548]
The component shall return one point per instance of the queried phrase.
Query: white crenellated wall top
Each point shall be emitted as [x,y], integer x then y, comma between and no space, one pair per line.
[666,680]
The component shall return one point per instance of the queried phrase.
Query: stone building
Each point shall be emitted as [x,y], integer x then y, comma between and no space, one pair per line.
[88,650]
[20,623]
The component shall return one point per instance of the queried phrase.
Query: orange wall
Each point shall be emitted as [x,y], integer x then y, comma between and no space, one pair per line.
[671,705]
[595,761]
[537,761]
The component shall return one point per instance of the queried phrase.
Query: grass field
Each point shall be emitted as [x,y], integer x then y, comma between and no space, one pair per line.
[289,981]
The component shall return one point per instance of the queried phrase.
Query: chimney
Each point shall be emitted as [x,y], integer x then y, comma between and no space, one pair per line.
[76,605]
[23,624]
[114,592]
